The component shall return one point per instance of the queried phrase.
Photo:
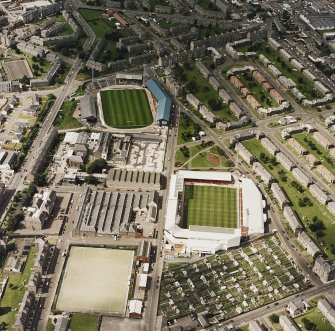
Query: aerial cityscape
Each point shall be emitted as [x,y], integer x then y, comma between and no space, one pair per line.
[167,165]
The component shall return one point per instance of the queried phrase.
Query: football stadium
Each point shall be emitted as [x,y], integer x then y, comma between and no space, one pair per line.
[134,106]
[96,280]
[210,211]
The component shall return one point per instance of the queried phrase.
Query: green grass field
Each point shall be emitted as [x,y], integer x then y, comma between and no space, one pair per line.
[126,108]
[214,206]
[81,322]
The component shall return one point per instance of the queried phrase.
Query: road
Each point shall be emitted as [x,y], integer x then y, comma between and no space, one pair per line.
[151,313]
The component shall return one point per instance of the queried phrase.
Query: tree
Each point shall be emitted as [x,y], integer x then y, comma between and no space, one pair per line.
[91,180]
[96,166]
[274,318]
[40,179]
[308,324]
[13,222]
[82,55]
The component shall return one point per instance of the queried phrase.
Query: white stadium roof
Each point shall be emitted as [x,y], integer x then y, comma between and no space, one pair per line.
[253,217]
[205,175]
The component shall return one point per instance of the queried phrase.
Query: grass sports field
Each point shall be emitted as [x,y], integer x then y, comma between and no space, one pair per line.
[214,206]
[126,109]
[96,280]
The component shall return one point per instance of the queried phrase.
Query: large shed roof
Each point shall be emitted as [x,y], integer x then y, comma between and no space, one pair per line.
[163,99]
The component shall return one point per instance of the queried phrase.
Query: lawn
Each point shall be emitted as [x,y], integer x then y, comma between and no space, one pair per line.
[126,108]
[261,95]
[306,213]
[43,65]
[50,325]
[198,85]
[202,160]
[65,119]
[81,322]
[214,206]
[184,154]
[317,318]
[12,298]
[320,152]
[98,24]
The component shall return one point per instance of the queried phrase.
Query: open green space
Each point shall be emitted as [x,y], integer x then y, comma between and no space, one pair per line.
[306,213]
[261,95]
[307,140]
[187,129]
[165,24]
[303,84]
[315,317]
[209,31]
[39,66]
[82,322]
[322,32]
[214,206]
[126,108]
[50,325]
[65,119]
[185,153]
[97,22]
[206,4]
[154,3]
[12,298]
[198,85]
[227,280]
[107,30]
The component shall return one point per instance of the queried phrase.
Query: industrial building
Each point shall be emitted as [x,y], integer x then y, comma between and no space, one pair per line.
[114,213]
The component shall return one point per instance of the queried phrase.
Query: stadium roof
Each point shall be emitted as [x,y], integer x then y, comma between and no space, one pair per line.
[252,207]
[163,99]
[87,108]
[121,75]
[206,175]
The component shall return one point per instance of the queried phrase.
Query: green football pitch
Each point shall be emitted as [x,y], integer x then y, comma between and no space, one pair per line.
[126,109]
[214,206]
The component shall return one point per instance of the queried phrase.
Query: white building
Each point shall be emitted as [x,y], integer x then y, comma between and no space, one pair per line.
[292,220]
[269,146]
[279,195]
[301,177]
[244,153]
[319,194]
[308,244]
[287,323]
[285,161]
[266,177]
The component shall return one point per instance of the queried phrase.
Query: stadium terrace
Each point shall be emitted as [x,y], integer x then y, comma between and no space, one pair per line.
[211,211]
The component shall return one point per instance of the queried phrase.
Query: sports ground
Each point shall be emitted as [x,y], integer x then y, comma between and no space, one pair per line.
[126,109]
[212,206]
[17,69]
[96,280]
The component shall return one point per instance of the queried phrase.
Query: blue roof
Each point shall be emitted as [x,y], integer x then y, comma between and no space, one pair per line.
[163,99]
